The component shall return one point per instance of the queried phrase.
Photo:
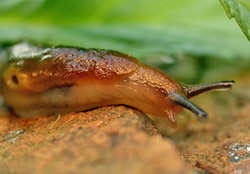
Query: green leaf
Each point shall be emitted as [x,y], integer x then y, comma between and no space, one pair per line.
[240,10]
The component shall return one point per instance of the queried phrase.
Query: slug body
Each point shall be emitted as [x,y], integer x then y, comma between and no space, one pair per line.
[37,81]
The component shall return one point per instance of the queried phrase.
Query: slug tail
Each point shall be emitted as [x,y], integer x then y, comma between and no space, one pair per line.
[192,91]
[184,102]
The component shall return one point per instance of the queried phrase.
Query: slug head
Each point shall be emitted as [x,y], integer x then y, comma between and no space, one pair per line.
[190,91]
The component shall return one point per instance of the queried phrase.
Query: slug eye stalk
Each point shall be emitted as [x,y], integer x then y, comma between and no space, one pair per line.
[184,102]
[191,91]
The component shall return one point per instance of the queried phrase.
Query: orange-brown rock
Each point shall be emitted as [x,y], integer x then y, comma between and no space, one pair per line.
[105,140]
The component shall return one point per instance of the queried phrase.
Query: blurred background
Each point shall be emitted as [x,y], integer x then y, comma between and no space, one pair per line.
[192,40]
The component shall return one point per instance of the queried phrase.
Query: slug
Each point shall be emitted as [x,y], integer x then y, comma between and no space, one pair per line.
[36,81]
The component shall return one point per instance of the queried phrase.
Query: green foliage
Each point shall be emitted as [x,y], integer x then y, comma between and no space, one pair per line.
[165,33]
[240,10]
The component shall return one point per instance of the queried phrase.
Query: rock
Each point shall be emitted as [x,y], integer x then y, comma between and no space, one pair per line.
[113,139]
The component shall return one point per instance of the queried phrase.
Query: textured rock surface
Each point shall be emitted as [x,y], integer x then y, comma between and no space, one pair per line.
[104,140]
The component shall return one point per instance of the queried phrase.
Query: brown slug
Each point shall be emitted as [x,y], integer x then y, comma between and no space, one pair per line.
[39,81]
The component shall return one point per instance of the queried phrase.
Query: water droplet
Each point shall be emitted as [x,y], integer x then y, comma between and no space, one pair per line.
[238,152]
[13,135]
